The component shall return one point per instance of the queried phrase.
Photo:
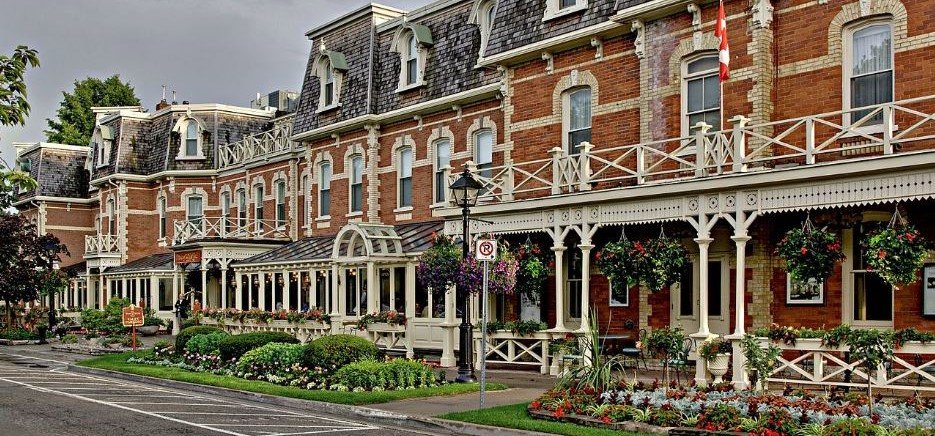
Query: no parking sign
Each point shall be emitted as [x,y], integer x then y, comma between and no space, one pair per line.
[485,249]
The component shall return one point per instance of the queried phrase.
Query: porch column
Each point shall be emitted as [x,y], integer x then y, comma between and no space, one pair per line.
[204,284]
[313,289]
[153,292]
[410,293]
[238,290]
[559,250]
[701,367]
[87,284]
[585,286]
[175,297]
[286,280]
[739,363]
[125,290]
[448,340]
[224,288]
[261,297]
[101,290]
[299,289]
[336,303]
[373,289]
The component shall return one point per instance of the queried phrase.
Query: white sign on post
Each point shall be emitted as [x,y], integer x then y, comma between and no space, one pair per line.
[486,249]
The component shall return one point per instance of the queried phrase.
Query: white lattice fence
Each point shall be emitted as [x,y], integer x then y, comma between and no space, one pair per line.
[509,348]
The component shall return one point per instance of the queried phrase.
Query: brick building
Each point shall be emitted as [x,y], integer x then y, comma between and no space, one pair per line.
[580,117]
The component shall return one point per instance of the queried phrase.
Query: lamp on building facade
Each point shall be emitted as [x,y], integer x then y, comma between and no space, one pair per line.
[465,191]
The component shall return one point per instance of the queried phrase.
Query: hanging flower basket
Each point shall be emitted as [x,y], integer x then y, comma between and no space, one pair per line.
[623,263]
[896,253]
[810,253]
[665,260]
[533,272]
[440,266]
[502,275]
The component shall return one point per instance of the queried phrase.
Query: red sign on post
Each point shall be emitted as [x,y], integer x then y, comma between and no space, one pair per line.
[191,256]
[133,318]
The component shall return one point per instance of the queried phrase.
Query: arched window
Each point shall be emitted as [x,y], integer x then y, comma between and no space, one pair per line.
[868,69]
[405,177]
[412,60]
[191,139]
[111,218]
[324,190]
[307,201]
[328,84]
[195,211]
[483,15]
[226,211]
[189,130]
[258,206]
[483,152]
[701,93]
[281,204]
[442,160]
[578,118]
[162,218]
[241,208]
[356,183]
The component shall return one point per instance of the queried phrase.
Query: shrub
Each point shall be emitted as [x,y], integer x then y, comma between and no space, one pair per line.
[274,362]
[851,427]
[205,344]
[190,322]
[18,334]
[334,351]
[235,346]
[109,320]
[162,348]
[394,374]
[720,417]
[187,334]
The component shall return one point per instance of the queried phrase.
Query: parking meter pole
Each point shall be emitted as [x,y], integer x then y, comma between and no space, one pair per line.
[483,344]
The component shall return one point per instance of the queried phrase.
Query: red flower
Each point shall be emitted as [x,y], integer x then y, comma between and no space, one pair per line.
[536,405]
[881,254]
[804,250]
[910,236]
[606,419]
[559,412]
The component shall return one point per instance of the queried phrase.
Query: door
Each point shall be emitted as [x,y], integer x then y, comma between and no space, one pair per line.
[684,298]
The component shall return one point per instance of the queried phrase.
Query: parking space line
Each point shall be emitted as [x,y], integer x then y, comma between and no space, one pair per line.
[184,404]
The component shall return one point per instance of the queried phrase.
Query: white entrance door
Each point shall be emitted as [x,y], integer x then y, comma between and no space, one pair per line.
[684,298]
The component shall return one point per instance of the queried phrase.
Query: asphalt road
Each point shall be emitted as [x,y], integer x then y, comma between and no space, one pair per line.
[39,398]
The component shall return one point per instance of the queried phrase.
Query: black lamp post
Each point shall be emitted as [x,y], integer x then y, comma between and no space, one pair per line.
[465,191]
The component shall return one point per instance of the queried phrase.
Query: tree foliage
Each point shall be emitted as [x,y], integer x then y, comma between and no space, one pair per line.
[75,123]
[26,262]
[13,105]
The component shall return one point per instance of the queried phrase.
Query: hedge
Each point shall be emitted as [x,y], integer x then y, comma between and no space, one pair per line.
[185,335]
[237,345]
[334,351]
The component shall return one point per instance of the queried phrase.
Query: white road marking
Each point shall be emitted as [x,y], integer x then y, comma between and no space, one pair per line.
[69,385]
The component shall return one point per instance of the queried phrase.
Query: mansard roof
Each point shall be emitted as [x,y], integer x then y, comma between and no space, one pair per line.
[58,168]
[520,22]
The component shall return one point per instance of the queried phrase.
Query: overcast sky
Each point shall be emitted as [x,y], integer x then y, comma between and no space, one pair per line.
[210,51]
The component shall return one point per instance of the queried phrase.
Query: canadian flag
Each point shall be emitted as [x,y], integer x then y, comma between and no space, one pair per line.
[720,31]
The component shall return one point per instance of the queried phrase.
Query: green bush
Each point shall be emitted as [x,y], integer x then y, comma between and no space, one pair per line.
[205,344]
[852,427]
[334,351]
[390,375]
[186,335]
[18,334]
[70,339]
[190,322]
[237,345]
[271,358]
[109,320]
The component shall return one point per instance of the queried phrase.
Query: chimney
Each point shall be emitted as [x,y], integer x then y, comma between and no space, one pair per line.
[162,103]
[173,97]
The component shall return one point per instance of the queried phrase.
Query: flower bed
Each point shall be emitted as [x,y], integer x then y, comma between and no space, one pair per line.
[720,408]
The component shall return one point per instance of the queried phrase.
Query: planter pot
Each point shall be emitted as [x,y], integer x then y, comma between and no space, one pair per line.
[718,366]
[385,327]
[148,330]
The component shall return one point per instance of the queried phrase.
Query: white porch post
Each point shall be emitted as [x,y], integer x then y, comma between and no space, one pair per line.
[559,250]
[701,367]
[175,298]
[224,288]
[585,286]
[125,289]
[450,324]
[299,289]
[313,290]
[739,363]
[153,292]
[101,291]
[286,280]
[336,303]
[373,289]
[87,284]
[262,294]
[204,284]
[410,293]
[238,290]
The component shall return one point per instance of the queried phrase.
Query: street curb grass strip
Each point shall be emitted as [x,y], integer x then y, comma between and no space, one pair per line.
[385,418]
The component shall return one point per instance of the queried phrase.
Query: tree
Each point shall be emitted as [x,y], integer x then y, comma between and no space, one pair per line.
[26,260]
[75,123]
[13,105]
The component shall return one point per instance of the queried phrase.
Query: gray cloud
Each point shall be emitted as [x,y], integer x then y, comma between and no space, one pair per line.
[213,51]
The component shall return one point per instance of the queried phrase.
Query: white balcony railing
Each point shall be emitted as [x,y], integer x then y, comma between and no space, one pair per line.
[263,144]
[101,244]
[833,136]
[233,228]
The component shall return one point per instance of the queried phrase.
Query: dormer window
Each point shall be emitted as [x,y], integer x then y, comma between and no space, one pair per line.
[329,68]
[483,16]
[412,42]
[560,8]
[190,131]
[101,142]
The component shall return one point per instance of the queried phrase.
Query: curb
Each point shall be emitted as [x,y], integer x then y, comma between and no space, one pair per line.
[426,424]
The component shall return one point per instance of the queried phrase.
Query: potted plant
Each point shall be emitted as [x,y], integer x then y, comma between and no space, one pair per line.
[440,265]
[810,254]
[665,260]
[668,344]
[896,253]
[760,360]
[716,351]
[502,274]
[389,320]
[622,262]
[151,325]
[533,272]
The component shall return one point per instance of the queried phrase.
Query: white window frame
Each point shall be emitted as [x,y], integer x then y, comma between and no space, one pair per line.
[225,211]
[188,209]
[439,184]
[111,219]
[403,44]
[476,151]
[163,224]
[243,215]
[566,116]
[400,175]
[307,200]
[610,297]
[324,185]
[183,128]
[554,9]
[327,74]
[687,129]
[355,178]
[483,15]
[847,69]
[280,215]
[849,274]
[259,191]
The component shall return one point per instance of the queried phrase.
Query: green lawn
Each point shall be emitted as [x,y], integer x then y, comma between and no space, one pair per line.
[515,416]
[118,362]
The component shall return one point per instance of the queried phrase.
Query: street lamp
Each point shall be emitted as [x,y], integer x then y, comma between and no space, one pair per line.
[465,191]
